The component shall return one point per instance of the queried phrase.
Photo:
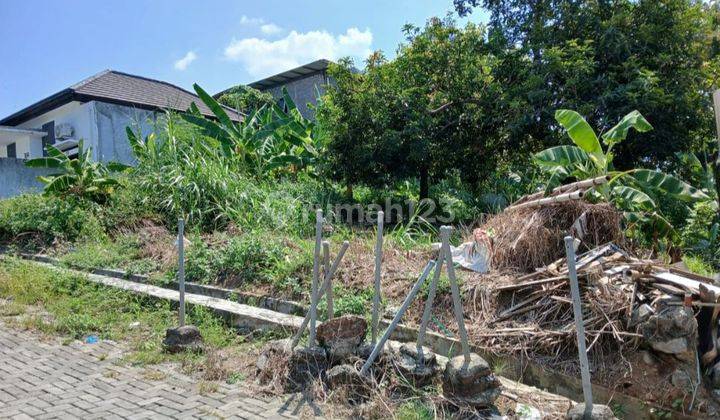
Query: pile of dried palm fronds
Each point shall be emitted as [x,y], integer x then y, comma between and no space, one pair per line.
[529,237]
[533,313]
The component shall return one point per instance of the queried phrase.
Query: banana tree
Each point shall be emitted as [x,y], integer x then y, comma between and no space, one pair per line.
[268,139]
[80,176]
[634,191]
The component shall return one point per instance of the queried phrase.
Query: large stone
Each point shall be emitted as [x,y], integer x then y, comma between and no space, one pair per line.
[474,385]
[672,330]
[418,372]
[599,412]
[305,365]
[271,351]
[185,338]
[342,336]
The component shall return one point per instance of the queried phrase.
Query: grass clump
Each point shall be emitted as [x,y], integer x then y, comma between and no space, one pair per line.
[78,308]
[43,219]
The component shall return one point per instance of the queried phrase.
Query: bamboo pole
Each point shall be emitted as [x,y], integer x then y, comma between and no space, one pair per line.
[580,185]
[571,196]
[316,275]
[378,276]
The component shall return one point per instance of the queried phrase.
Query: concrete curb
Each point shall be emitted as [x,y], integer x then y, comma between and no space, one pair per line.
[246,316]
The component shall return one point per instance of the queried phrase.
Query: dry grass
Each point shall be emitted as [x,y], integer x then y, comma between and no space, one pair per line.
[528,238]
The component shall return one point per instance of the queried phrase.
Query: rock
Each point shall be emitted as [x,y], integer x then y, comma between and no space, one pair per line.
[715,376]
[672,330]
[342,336]
[682,380]
[599,412]
[647,358]
[305,365]
[641,314]
[271,351]
[476,385]
[390,312]
[134,325]
[349,378]
[185,338]
[419,374]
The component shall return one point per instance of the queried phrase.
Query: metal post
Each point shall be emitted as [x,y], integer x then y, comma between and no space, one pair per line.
[428,308]
[378,275]
[457,303]
[181,269]
[408,300]
[579,325]
[326,269]
[328,276]
[316,275]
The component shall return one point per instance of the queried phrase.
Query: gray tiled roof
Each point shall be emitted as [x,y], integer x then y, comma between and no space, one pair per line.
[122,88]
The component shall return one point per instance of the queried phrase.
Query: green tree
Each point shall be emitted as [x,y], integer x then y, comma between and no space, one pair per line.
[605,59]
[634,191]
[245,99]
[436,108]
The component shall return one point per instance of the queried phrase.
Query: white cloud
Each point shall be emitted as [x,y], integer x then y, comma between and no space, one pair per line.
[262,57]
[244,20]
[270,29]
[184,62]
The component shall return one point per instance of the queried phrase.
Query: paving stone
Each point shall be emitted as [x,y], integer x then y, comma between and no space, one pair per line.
[49,380]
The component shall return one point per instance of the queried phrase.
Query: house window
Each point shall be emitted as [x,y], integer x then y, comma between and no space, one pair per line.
[49,138]
[12,150]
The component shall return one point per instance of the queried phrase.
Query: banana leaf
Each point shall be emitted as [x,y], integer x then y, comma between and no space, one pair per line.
[618,133]
[636,199]
[581,134]
[669,185]
[562,156]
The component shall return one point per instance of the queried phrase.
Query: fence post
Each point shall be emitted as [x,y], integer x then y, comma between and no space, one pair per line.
[316,274]
[428,308]
[326,269]
[328,283]
[457,302]
[378,275]
[181,269]
[408,300]
[579,325]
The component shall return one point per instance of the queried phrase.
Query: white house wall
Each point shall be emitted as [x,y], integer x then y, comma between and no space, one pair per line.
[100,125]
[79,115]
[111,120]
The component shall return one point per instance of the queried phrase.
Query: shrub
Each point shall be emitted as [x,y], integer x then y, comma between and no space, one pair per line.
[699,237]
[50,217]
[243,259]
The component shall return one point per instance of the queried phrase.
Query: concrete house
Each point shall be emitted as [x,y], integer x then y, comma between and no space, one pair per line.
[303,83]
[96,110]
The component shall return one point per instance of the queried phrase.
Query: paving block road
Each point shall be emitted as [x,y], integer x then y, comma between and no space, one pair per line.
[40,378]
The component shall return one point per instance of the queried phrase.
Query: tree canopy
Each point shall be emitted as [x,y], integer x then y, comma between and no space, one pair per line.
[245,99]
[473,99]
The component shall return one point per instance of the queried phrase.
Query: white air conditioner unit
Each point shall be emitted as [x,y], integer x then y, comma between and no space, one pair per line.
[63,131]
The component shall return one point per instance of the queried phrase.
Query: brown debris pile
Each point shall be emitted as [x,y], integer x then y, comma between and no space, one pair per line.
[628,304]
[528,237]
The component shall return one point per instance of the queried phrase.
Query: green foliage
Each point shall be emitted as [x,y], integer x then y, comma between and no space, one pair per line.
[183,173]
[605,59]
[50,217]
[240,260]
[79,177]
[80,307]
[701,235]
[414,410]
[425,115]
[245,99]
[634,191]
[269,139]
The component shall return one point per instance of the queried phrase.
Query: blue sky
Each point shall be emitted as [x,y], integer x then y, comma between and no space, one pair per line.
[49,45]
